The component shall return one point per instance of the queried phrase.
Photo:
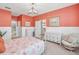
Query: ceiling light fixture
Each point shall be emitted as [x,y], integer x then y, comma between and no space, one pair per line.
[33,11]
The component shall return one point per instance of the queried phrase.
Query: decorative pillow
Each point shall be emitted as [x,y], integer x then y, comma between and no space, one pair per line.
[71,38]
[65,37]
[74,38]
[2,46]
[68,38]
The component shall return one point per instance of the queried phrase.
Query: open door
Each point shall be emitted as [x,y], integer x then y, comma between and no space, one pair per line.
[38,28]
[16,29]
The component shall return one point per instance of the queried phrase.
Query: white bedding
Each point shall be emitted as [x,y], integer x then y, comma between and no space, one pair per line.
[24,46]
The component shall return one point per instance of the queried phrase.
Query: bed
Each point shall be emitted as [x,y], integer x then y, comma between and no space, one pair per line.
[24,46]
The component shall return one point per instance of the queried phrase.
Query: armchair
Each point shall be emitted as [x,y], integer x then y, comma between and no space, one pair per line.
[71,41]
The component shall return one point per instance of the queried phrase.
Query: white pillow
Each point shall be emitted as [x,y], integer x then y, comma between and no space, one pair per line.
[74,38]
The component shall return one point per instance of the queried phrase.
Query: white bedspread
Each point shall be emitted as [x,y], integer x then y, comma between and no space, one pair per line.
[24,46]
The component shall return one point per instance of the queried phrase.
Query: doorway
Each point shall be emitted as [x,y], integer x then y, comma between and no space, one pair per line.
[16,29]
[40,28]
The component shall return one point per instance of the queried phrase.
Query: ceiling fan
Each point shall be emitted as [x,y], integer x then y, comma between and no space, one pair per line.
[32,10]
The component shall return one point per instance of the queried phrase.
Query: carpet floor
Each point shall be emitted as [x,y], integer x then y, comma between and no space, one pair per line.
[56,49]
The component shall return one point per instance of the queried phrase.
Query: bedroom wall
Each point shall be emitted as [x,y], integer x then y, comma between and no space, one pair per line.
[5,18]
[69,16]
[5,23]
[26,18]
[69,19]
[23,19]
[14,17]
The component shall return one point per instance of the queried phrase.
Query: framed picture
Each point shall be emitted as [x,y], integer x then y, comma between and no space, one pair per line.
[54,22]
[27,24]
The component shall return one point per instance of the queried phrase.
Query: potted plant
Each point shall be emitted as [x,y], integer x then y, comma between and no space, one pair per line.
[2,46]
[2,34]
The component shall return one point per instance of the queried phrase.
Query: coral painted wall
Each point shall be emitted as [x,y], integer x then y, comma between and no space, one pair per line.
[14,17]
[5,18]
[25,18]
[69,16]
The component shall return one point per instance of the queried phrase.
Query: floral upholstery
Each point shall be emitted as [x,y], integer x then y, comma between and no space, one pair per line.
[25,46]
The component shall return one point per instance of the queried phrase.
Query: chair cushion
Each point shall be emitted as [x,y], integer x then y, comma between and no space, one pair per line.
[66,38]
[72,39]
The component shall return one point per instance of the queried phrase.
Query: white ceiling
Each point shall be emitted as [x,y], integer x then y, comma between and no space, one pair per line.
[22,8]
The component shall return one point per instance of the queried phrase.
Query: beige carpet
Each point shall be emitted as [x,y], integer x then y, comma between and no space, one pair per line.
[55,49]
